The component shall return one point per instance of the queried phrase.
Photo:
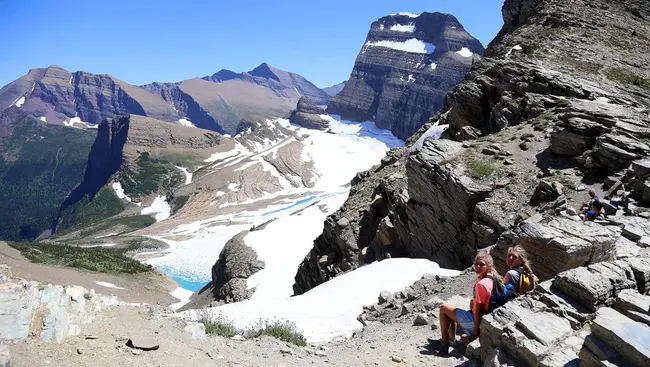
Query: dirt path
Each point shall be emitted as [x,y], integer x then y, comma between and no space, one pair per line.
[152,288]
[375,346]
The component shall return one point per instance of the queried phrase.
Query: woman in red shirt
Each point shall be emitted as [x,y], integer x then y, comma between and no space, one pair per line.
[469,320]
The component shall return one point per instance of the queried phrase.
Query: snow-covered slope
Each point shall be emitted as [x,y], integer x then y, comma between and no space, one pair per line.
[330,310]
[274,171]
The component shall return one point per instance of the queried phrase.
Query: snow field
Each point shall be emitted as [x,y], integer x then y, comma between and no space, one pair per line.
[412,45]
[160,207]
[188,174]
[465,52]
[330,310]
[185,122]
[109,285]
[403,28]
[183,296]
[119,191]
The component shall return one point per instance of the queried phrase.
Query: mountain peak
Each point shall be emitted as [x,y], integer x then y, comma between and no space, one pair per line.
[265,70]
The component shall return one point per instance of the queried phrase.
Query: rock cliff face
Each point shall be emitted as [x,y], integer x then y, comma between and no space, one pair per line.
[524,121]
[307,115]
[58,96]
[406,66]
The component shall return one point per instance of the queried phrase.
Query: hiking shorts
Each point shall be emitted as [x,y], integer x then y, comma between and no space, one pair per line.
[466,320]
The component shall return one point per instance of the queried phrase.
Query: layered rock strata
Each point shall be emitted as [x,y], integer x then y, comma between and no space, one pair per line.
[308,115]
[404,69]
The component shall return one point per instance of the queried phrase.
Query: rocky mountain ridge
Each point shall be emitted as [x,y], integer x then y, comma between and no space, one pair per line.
[406,66]
[526,118]
[217,102]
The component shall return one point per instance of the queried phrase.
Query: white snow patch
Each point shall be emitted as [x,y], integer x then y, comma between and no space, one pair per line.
[188,174]
[412,45]
[20,101]
[412,15]
[233,186]
[77,120]
[109,285]
[453,27]
[107,235]
[186,122]
[220,194]
[33,86]
[403,28]
[465,52]
[330,310]
[183,296]
[119,191]
[223,155]
[381,27]
[160,207]
[102,245]
[70,81]
[43,118]
[411,78]
[296,89]
[434,66]
[513,48]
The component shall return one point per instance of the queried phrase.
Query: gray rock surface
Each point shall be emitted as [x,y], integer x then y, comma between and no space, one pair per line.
[401,90]
[236,263]
[5,358]
[307,114]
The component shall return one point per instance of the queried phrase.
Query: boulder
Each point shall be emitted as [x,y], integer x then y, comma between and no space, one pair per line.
[421,320]
[628,338]
[557,245]
[596,285]
[634,305]
[196,330]
[308,115]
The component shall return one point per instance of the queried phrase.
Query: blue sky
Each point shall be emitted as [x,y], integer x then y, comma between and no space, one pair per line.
[145,41]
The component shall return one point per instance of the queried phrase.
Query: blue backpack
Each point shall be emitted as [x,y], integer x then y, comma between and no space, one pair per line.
[501,293]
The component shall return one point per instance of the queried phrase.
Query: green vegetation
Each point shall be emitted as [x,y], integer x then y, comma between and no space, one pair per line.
[150,175]
[562,103]
[479,168]
[179,202]
[86,212]
[283,330]
[98,259]
[39,165]
[132,223]
[623,76]
[217,325]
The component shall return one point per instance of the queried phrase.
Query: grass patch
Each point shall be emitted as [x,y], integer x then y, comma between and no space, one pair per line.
[217,325]
[562,103]
[133,222]
[283,330]
[479,169]
[623,76]
[97,259]
[87,212]
[179,202]
[150,175]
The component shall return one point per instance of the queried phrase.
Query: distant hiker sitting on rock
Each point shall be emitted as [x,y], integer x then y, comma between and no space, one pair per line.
[520,276]
[591,210]
[470,320]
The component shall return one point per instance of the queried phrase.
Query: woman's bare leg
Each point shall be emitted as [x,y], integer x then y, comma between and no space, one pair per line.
[448,321]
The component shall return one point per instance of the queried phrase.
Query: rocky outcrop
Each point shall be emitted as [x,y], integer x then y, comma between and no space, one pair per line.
[527,120]
[406,66]
[307,115]
[236,263]
[51,313]
[591,315]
